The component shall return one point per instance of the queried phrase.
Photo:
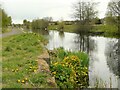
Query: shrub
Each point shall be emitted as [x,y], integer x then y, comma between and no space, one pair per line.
[70,71]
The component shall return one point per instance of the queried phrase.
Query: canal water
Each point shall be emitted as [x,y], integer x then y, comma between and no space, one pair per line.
[103,53]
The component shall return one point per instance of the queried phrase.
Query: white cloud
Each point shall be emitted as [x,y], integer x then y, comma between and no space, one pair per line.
[30,9]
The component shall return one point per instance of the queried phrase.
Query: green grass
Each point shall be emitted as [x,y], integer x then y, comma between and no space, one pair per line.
[19,61]
[109,30]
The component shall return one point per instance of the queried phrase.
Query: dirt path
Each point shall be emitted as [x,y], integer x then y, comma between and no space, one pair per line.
[13,32]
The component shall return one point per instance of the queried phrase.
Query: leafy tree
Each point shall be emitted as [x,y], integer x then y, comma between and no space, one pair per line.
[61,25]
[24,21]
[27,24]
[6,20]
[41,24]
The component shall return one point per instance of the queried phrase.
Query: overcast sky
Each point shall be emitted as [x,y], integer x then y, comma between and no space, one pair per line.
[31,9]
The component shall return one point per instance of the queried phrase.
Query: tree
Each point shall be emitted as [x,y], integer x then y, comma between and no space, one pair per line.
[49,19]
[27,24]
[114,13]
[84,13]
[6,20]
[24,21]
[61,26]
[40,24]
[114,7]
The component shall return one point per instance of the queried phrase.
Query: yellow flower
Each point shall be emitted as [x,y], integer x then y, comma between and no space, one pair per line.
[54,73]
[30,67]
[74,58]
[13,70]
[36,60]
[17,69]
[23,81]
[26,79]
[35,70]
[66,58]
[56,63]
[18,81]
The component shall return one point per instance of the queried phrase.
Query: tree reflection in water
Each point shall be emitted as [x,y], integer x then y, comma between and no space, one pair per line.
[86,44]
[113,53]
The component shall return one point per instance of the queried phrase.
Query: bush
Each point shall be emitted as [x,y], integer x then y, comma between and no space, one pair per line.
[39,24]
[70,69]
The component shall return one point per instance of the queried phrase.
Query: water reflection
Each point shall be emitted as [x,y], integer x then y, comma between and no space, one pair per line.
[99,68]
[44,32]
[112,56]
[102,51]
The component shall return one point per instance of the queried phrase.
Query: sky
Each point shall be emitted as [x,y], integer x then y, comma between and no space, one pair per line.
[57,9]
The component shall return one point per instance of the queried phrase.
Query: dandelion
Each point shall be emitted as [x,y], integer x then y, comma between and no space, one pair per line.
[18,81]
[17,69]
[36,60]
[13,70]
[23,81]
[54,73]
[30,67]
[26,79]
[35,70]
[56,63]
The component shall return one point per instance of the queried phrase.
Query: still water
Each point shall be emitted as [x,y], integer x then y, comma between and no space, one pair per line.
[103,64]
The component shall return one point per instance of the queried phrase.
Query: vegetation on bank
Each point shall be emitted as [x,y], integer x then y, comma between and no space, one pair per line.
[70,69]
[103,30]
[20,64]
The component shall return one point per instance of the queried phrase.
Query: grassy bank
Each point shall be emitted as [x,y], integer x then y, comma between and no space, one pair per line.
[70,69]
[19,62]
[108,30]
[101,30]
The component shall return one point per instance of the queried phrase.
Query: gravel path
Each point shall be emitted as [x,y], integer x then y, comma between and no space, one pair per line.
[13,32]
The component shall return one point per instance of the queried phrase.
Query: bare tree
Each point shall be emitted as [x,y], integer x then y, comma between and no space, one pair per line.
[84,11]
[114,11]
[114,7]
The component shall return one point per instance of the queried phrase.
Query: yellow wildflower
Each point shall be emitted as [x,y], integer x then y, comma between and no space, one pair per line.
[30,67]
[18,81]
[54,73]
[26,79]
[56,63]
[23,81]
[35,70]
[17,69]
[36,60]
[13,70]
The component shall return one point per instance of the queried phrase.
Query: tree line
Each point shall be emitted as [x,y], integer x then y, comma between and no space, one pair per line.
[6,20]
